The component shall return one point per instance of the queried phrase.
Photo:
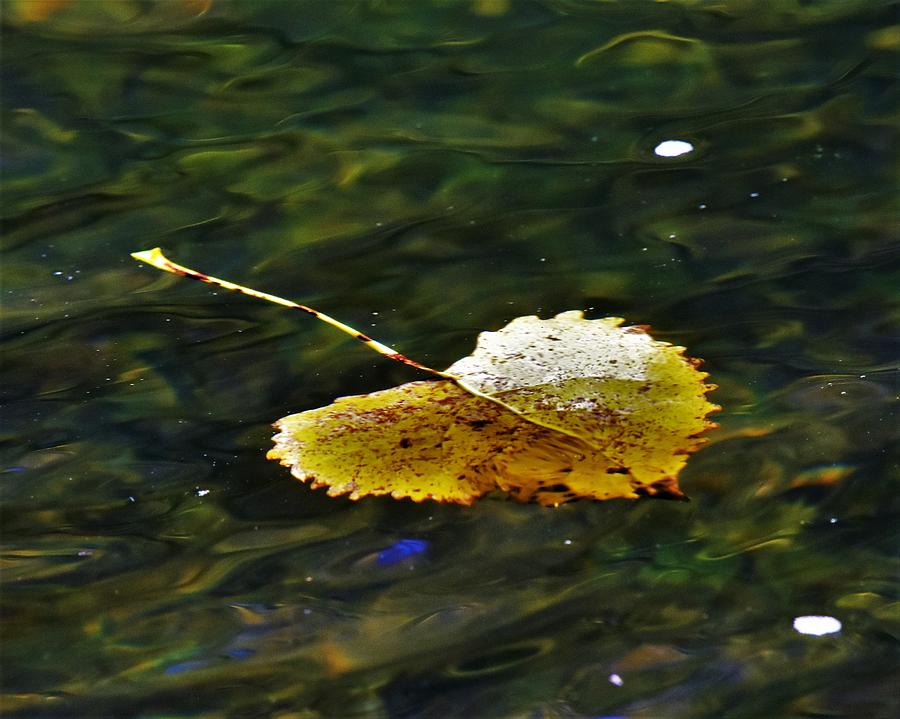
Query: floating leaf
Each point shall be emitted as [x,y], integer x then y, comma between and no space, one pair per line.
[544,410]
[434,440]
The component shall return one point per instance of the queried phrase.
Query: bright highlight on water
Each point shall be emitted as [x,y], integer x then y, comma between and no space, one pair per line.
[672,148]
[817,626]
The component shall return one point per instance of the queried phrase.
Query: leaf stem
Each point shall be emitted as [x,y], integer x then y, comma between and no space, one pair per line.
[156,258]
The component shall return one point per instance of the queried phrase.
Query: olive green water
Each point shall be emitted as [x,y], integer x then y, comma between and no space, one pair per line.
[425,171]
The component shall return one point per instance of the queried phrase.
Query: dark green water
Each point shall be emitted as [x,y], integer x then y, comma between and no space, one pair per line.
[425,171]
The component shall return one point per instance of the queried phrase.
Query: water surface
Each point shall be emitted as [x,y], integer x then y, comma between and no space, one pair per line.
[426,171]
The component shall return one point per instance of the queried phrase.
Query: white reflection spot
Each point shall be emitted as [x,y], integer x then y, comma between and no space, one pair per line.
[672,148]
[817,626]
[616,679]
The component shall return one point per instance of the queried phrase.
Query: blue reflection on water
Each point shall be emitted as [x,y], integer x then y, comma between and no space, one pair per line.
[402,549]
[185,666]
[240,653]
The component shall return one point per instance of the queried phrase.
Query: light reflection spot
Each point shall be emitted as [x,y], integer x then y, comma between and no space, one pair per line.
[817,626]
[672,148]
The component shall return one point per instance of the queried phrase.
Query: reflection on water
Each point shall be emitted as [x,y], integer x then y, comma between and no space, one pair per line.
[425,171]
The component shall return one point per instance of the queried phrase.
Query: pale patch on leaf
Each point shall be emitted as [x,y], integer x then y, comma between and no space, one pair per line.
[636,400]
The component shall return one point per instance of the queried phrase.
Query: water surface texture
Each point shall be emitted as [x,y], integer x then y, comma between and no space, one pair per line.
[425,171]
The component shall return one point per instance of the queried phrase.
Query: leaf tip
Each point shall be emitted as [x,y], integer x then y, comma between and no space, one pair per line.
[152,256]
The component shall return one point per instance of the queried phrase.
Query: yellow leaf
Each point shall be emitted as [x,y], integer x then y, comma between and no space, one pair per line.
[434,440]
[545,410]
